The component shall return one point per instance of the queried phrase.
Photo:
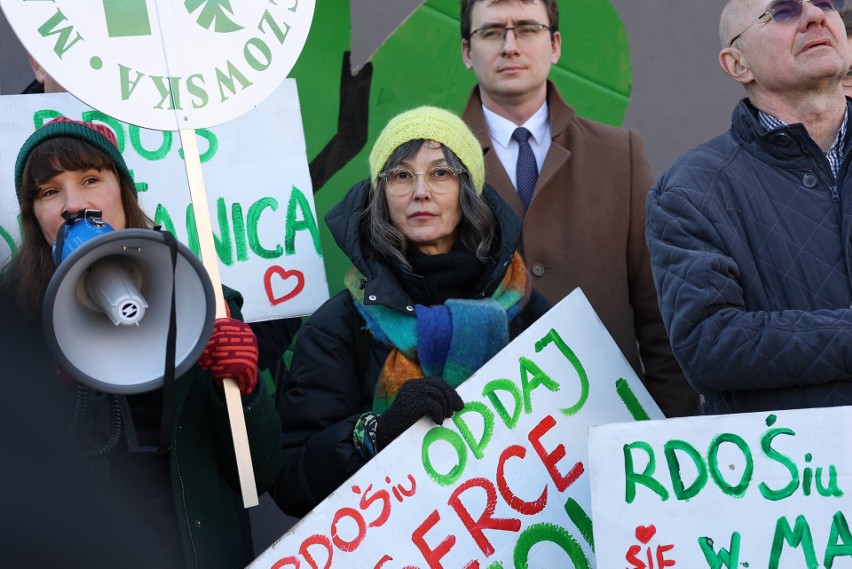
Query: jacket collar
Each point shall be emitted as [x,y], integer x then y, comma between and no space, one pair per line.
[778,146]
[561,115]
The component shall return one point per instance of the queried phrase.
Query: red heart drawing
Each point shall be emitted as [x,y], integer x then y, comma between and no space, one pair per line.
[276,270]
[645,533]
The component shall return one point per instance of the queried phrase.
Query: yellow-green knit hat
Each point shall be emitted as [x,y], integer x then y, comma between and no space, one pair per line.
[430,123]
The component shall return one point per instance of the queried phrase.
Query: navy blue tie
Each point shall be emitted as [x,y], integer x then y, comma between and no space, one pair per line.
[526,174]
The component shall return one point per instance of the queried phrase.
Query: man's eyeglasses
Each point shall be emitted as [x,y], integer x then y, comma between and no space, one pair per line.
[789,10]
[497,34]
[439,179]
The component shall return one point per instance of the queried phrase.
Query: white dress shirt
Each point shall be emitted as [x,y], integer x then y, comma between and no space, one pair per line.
[500,129]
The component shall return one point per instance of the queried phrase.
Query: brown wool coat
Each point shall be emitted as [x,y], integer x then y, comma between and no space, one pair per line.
[585,228]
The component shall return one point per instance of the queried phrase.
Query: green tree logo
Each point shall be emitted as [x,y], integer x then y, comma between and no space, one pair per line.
[214,13]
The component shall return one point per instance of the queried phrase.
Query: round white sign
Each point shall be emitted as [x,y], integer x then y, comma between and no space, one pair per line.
[165,64]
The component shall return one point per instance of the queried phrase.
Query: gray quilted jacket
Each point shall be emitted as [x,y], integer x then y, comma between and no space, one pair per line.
[751,247]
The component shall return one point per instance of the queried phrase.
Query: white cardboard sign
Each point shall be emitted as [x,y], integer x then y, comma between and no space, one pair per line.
[504,483]
[768,490]
[165,64]
[259,191]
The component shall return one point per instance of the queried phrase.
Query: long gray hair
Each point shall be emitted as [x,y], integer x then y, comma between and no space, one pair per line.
[477,229]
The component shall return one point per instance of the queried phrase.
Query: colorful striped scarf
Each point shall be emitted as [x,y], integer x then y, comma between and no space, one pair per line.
[450,340]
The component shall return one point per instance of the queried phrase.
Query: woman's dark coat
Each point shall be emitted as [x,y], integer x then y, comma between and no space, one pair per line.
[325,394]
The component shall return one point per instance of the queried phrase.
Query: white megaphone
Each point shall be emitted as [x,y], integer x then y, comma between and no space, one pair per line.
[108,307]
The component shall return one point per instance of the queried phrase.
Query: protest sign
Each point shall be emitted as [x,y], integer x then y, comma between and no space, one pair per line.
[504,483]
[165,64]
[266,233]
[172,65]
[763,489]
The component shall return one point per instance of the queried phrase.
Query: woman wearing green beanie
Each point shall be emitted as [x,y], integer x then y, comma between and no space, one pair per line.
[164,457]
[436,289]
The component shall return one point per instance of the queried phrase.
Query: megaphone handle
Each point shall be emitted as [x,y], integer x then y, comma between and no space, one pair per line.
[204,229]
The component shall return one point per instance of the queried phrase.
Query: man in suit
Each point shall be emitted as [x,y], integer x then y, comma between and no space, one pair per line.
[579,186]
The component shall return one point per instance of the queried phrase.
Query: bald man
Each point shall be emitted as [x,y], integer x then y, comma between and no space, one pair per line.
[750,233]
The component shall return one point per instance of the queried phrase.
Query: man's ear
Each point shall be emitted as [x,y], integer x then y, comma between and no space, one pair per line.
[555,48]
[734,64]
[39,73]
[465,49]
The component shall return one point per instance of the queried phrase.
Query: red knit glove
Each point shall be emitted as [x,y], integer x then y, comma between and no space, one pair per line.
[232,352]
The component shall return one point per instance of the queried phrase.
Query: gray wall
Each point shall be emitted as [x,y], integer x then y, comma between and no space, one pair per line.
[373,21]
[681,97]
[15,73]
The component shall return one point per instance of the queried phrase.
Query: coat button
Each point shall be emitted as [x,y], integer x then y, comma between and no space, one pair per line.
[409,308]
[782,138]
[537,269]
[198,523]
[809,180]
[372,297]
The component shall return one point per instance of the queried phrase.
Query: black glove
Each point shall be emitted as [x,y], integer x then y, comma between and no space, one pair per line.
[430,396]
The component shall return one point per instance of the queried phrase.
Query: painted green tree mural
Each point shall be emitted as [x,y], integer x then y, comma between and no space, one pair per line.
[420,63]
[214,13]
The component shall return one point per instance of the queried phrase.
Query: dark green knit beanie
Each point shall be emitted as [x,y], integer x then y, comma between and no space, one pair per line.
[99,136]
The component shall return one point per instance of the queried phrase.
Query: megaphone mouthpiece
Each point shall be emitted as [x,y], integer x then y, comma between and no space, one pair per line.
[78,229]
[111,287]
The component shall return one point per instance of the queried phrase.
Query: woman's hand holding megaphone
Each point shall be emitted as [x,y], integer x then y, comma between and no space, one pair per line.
[232,353]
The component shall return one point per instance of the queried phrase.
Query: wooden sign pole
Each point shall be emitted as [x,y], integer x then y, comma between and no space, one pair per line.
[210,260]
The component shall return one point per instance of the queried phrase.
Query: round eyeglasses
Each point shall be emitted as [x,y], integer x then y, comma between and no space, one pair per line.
[782,11]
[439,179]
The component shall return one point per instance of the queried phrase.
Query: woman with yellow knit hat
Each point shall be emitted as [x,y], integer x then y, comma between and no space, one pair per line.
[436,290]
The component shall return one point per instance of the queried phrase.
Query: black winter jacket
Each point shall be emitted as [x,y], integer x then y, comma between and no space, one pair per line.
[203,481]
[751,248]
[325,394]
